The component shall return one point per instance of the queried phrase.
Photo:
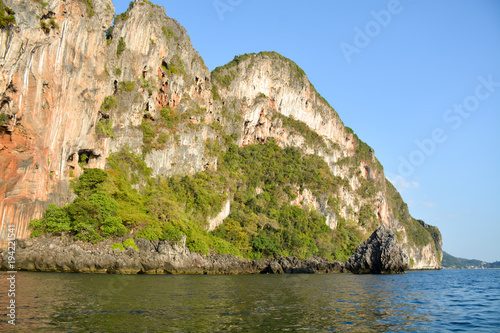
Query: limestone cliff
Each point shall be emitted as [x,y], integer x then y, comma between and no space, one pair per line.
[275,99]
[76,86]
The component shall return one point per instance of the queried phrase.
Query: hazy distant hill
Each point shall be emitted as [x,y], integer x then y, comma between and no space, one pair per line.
[495,264]
[450,261]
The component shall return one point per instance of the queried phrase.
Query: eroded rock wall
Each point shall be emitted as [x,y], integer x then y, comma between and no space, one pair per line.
[51,84]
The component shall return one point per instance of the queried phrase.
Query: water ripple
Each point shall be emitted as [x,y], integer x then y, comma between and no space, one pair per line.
[416,301]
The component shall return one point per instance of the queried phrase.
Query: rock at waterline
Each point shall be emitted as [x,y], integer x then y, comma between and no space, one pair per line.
[379,254]
[65,254]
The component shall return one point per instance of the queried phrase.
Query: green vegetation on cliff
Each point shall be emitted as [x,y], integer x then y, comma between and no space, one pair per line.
[310,136]
[417,233]
[92,216]
[4,119]
[224,75]
[89,5]
[120,47]
[261,180]
[7,17]
[104,127]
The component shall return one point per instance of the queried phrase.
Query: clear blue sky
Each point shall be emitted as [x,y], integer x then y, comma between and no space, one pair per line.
[429,67]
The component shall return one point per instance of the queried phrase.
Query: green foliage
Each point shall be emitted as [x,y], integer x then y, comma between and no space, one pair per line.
[417,234]
[367,218]
[55,221]
[121,17]
[104,127]
[44,26]
[121,47]
[109,34]
[399,207]
[311,137]
[89,182]
[215,93]
[148,85]
[363,151]
[436,236]
[168,32]
[269,166]
[3,119]
[367,188]
[117,71]
[109,103]
[43,3]
[130,242]
[118,246]
[92,216]
[170,117]
[53,23]
[158,132]
[148,135]
[346,239]
[266,224]
[225,74]
[172,233]
[128,168]
[176,66]
[232,231]
[127,86]
[225,80]
[90,7]
[238,59]
[151,232]
[83,160]
[262,178]
[113,226]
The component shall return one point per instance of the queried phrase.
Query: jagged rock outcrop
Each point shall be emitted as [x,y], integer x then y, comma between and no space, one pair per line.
[64,254]
[379,254]
[79,87]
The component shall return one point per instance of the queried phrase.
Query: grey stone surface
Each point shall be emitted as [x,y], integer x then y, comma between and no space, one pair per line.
[64,254]
[379,254]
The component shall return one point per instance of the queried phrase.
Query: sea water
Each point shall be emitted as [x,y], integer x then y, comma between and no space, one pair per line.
[446,300]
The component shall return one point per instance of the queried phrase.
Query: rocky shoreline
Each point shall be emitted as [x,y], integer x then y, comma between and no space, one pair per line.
[379,254]
[64,254]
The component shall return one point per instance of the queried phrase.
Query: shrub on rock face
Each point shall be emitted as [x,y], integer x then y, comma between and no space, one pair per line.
[118,246]
[379,254]
[90,217]
[7,17]
[54,221]
[130,242]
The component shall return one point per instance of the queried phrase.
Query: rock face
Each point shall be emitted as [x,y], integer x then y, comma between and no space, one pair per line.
[61,84]
[64,254]
[379,254]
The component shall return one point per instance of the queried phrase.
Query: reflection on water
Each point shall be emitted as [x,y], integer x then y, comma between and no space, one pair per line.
[443,300]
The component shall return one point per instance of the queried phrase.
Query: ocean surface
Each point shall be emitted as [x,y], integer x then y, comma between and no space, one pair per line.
[435,301]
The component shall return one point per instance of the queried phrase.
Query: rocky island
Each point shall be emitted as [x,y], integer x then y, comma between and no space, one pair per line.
[120,152]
